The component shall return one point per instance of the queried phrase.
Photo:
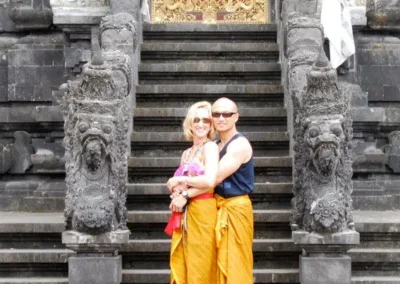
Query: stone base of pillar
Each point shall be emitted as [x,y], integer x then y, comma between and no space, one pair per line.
[97,260]
[325,269]
[95,269]
[324,259]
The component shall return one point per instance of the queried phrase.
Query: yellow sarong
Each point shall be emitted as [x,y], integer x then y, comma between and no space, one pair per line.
[193,252]
[234,234]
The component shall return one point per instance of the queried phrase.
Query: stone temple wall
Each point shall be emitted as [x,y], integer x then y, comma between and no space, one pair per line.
[36,57]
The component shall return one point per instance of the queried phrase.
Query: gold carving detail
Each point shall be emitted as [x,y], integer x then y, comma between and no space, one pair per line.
[210,11]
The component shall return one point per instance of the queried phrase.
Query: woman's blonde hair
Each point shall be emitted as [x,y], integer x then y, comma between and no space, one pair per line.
[187,123]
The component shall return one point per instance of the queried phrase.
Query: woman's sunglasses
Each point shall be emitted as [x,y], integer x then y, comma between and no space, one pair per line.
[224,114]
[205,120]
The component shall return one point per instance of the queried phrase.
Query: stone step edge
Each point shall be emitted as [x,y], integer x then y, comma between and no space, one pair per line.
[355,279]
[23,222]
[173,137]
[160,188]
[163,246]
[209,67]
[208,89]
[171,162]
[209,48]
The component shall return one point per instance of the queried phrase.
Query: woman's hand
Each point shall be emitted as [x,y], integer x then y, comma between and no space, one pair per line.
[175,181]
[178,203]
[177,190]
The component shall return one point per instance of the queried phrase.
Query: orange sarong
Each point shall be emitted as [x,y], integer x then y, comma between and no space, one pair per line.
[193,251]
[234,233]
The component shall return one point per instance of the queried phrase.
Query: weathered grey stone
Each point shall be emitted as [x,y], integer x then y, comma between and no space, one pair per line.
[5,158]
[103,243]
[36,68]
[95,270]
[393,151]
[97,113]
[119,32]
[32,15]
[383,14]
[323,160]
[78,13]
[325,270]
[22,150]
[6,24]
[48,158]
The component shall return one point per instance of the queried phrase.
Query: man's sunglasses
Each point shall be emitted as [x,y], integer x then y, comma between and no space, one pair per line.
[205,120]
[224,114]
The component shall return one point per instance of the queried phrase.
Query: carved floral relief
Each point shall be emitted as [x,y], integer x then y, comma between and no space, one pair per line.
[210,11]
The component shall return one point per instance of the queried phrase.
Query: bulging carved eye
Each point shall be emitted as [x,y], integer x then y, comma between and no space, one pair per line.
[313,132]
[83,127]
[107,128]
[337,131]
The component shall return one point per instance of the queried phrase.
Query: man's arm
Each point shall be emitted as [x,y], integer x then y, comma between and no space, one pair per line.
[238,153]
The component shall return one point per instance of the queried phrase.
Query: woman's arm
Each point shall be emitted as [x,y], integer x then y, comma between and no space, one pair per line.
[208,180]
[172,182]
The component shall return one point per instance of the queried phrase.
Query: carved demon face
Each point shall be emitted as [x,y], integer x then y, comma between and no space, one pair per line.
[95,134]
[324,137]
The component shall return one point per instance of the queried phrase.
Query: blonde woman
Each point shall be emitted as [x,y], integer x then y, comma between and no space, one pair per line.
[194,211]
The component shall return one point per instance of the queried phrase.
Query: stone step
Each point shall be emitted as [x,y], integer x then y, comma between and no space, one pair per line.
[149,189]
[260,216]
[375,279]
[160,46]
[35,255]
[137,163]
[164,245]
[209,71]
[386,255]
[160,51]
[155,276]
[170,144]
[156,196]
[25,222]
[34,280]
[246,96]
[61,255]
[162,276]
[208,67]
[199,32]
[170,119]
[159,170]
[219,78]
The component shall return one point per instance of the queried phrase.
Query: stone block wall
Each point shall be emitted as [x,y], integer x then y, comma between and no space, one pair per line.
[378,63]
[36,68]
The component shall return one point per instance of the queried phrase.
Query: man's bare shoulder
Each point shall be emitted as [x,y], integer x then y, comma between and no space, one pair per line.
[241,145]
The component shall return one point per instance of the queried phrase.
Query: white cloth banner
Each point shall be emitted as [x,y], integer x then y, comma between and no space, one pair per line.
[336,20]
[146,11]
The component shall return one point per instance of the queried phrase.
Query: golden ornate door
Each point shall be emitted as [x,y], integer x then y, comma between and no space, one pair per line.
[210,11]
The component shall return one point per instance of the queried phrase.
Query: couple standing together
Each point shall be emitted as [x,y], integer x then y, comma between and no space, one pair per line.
[212,216]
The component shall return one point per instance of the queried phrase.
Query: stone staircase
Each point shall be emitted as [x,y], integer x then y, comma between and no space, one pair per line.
[182,64]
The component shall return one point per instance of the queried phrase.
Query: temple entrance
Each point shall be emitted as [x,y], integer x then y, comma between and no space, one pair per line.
[210,11]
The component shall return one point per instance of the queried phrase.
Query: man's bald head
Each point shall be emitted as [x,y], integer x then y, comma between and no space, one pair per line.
[224,105]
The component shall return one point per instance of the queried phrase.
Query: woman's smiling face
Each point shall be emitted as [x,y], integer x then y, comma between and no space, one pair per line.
[201,123]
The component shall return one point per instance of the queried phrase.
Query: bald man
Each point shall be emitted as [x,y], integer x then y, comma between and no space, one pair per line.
[235,180]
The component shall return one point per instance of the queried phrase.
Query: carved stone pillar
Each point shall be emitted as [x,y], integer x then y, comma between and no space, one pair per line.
[303,39]
[97,117]
[119,37]
[322,221]
[383,14]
